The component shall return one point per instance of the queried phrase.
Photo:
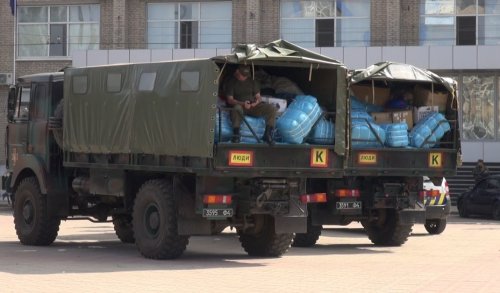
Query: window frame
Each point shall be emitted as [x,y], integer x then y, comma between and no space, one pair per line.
[178,22]
[48,23]
[337,18]
[455,14]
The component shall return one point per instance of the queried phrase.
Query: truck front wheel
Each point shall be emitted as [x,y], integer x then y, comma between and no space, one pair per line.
[265,242]
[388,230]
[435,226]
[34,225]
[155,221]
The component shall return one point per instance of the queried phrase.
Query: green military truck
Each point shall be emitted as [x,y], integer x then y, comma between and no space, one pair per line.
[136,143]
[382,186]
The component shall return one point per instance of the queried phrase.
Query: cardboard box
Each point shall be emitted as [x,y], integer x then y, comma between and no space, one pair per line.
[424,97]
[420,112]
[394,117]
[403,116]
[382,117]
[280,104]
[365,93]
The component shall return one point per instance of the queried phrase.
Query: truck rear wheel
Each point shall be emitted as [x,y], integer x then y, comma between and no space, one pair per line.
[265,242]
[309,238]
[435,226]
[389,231]
[123,228]
[34,225]
[155,221]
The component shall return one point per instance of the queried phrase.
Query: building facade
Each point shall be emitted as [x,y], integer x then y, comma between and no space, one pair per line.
[457,38]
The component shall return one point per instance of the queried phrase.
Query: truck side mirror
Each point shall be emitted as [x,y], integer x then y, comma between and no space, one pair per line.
[11,104]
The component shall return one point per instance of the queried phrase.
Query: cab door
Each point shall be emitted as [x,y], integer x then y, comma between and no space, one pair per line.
[37,125]
[17,127]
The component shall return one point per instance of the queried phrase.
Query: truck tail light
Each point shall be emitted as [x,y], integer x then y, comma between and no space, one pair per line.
[217,199]
[347,193]
[313,198]
[431,193]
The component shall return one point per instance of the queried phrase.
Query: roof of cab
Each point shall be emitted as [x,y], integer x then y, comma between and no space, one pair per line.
[42,77]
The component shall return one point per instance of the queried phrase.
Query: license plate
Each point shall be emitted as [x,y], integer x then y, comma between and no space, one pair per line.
[217,213]
[348,205]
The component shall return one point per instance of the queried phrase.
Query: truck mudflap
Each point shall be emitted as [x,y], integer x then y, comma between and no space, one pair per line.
[293,222]
[412,216]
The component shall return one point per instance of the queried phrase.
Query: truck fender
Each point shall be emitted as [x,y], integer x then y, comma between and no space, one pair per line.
[30,163]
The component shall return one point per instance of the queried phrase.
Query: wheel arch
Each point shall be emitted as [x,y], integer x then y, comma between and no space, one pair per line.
[27,166]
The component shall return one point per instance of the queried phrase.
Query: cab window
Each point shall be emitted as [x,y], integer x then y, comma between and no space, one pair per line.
[22,104]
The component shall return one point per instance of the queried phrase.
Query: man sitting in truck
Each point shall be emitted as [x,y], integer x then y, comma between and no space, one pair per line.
[243,94]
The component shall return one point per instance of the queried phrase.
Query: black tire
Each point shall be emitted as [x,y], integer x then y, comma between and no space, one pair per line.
[389,233]
[155,221]
[462,209]
[32,222]
[496,211]
[309,238]
[435,226]
[266,243]
[123,228]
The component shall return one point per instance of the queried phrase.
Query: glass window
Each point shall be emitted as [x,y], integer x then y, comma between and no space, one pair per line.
[299,31]
[39,108]
[57,30]
[32,14]
[114,82]
[489,30]
[466,7]
[324,23]
[190,25]
[357,8]
[23,104]
[353,32]
[437,30]
[437,7]
[80,84]
[466,30]
[478,95]
[58,13]
[147,81]
[489,6]
[477,22]
[190,81]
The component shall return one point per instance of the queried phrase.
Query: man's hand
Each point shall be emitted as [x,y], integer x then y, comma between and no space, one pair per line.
[248,105]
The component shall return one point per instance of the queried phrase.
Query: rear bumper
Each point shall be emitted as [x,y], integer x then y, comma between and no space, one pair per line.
[437,211]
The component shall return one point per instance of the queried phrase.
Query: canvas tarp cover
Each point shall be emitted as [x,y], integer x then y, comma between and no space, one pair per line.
[279,50]
[401,72]
[283,53]
[166,120]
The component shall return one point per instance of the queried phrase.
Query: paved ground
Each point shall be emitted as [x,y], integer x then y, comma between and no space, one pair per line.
[87,257]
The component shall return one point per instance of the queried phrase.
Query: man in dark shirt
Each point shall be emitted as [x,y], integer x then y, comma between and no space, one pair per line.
[480,171]
[243,93]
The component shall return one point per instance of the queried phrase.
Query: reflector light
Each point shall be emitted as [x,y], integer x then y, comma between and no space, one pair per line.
[432,193]
[217,199]
[312,198]
[347,193]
